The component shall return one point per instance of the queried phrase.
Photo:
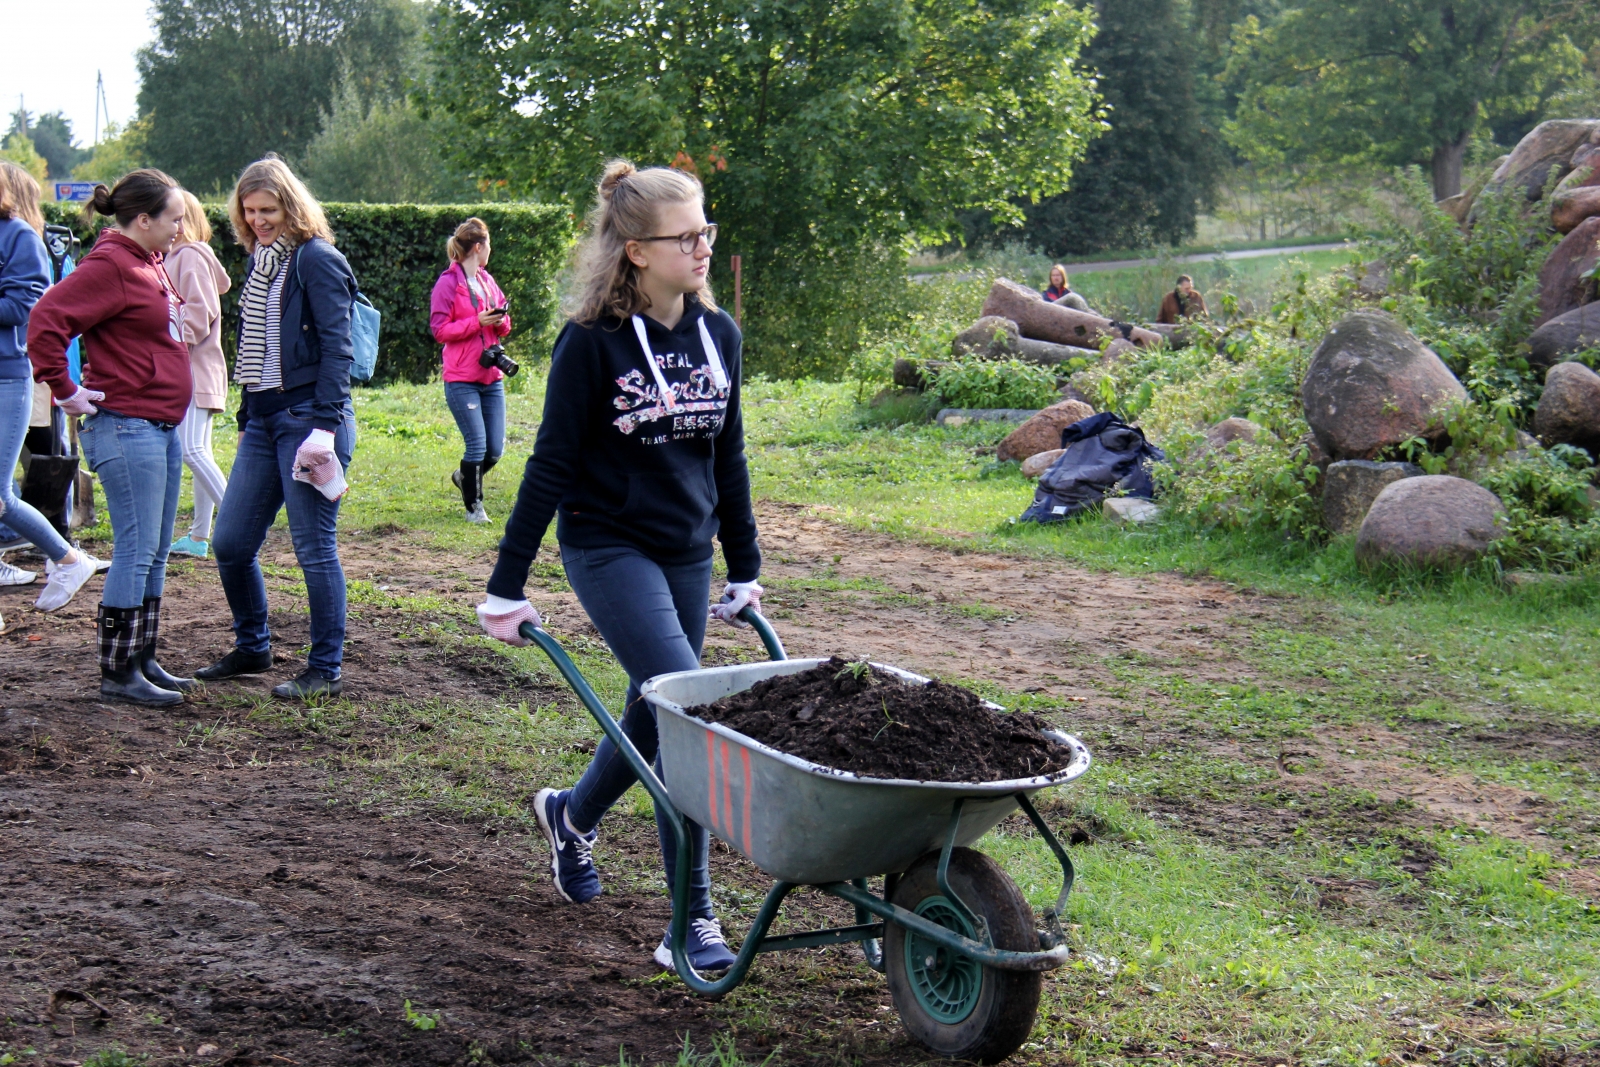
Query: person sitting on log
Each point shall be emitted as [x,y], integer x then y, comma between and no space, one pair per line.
[1184,302]
[1060,292]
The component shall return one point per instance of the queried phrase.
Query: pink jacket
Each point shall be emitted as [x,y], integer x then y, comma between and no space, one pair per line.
[200,280]
[455,325]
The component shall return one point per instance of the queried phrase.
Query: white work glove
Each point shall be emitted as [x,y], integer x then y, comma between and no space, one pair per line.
[735,598]
[79,403]
[316,465]
[501,618]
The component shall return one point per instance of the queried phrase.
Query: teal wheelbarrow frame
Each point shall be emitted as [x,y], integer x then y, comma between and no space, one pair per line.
[948,945]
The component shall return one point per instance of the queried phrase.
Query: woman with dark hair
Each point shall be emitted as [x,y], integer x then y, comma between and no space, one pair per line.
[297,429]
[24,276]
[468,315]
[135,392]
[640,459]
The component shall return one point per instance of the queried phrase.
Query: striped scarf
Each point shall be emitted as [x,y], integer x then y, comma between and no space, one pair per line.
[254,322]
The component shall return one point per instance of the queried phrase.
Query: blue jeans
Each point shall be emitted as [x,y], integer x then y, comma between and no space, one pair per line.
[653,617]
[480,413]
[140,467]
[260,485]
[16,405]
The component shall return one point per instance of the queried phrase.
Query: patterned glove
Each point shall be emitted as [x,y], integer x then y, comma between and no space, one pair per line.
[315,459]
[502,618]
[78,403]
[735,598]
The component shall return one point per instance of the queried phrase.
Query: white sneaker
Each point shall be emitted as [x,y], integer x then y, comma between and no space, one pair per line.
[477,514]
[65,581]
[100,565]
[10,575]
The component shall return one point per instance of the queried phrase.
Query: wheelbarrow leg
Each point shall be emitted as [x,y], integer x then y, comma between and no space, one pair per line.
[1054,935]
[871,948]
[679,931]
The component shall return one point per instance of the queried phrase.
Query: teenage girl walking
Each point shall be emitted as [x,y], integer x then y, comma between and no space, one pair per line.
[24,276]
[135,390]
[467,315]
[640,458]
[200,281]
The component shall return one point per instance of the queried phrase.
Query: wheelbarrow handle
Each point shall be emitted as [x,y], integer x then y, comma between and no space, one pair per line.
[663,801]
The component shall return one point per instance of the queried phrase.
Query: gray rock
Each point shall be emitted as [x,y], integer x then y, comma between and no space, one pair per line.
[1375,276]
[1129,510]
[1050,355]
[1035,465]
[1569,409]
[1549,144]
[1567,281]
[1432,521]
[1177,334]
[1052,322]
[1228,431]
[991,337]
[962,416]
[1563,335]
[1351,485]
[1371,384]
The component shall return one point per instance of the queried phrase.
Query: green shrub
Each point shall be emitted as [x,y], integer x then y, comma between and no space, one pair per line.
[986,383]
[1549,520]
[397,253]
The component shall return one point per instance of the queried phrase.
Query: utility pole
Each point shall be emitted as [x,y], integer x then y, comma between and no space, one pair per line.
[100,104]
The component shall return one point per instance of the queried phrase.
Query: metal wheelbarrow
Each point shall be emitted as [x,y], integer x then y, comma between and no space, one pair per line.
[952,932]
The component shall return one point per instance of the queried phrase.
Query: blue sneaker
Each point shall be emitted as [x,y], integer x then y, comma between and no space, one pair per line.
[570,866]
[188,546]
[707,950]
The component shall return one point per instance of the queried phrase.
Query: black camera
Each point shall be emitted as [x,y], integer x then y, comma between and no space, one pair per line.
[495,356]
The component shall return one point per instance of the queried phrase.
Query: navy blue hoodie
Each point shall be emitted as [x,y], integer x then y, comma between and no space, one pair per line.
[620,468]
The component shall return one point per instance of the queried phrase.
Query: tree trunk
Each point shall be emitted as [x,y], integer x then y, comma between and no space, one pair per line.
[1447,161]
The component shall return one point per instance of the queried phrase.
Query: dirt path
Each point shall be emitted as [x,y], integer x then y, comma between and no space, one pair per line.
[229,896]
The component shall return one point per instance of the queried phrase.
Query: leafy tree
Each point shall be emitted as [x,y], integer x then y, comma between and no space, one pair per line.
[382,153]
[228,80]
[51,135]
[19,149]
[1398,81]
[119,151]
[826,131]
[1145,181]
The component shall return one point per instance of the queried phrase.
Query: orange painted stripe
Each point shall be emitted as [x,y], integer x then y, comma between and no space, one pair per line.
[744,757]
[727,793]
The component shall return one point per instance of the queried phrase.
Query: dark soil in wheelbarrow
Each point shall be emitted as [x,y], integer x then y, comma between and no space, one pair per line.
[856,718]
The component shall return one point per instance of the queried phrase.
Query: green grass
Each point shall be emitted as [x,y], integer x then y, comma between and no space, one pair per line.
[1327,946]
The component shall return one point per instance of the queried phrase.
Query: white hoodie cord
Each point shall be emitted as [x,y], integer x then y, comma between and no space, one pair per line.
[667,398]
[719,373]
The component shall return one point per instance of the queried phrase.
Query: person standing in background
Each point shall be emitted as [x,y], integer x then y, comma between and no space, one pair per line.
[468,314]
[297,428]
[200,281]
[1060,292]
[121,301]
[1184,302]
[24,276]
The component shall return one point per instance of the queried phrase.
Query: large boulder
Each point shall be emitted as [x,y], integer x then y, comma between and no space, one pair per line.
[1351,485]
[1371,384]
[1060,325]
[1569,409]
[1563,335]
[1569,208]
[1550,144]
[1042,432]
[1567,281]
[993,337]
[1435,520]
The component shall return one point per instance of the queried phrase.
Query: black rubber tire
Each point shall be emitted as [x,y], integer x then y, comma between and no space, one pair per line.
[1007,1001]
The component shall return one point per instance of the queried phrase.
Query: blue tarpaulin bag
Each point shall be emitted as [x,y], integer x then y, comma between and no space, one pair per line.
[1102,453]
[364,323]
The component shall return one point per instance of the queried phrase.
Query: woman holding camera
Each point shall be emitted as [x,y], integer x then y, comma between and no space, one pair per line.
[469,318]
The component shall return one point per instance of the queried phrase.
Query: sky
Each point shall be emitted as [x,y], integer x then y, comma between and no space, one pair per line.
[53,49]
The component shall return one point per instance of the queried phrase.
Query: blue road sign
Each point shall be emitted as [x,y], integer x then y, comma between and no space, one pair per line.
[74,190]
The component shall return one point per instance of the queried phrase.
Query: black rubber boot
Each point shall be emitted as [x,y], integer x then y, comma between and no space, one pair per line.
[471,484]
[147,650]
[120,677]
[488,465]
[310,685]
[234,664]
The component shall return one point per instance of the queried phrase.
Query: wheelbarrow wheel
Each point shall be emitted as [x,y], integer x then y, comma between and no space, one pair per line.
[952,1004]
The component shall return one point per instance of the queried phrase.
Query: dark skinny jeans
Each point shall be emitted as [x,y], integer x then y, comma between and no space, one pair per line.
[653,617]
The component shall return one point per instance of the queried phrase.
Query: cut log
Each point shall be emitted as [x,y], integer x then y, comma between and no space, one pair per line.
[1042,321]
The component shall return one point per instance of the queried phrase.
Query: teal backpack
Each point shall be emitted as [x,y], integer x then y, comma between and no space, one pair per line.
[365,323]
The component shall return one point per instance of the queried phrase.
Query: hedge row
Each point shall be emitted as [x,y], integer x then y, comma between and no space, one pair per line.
[397,253]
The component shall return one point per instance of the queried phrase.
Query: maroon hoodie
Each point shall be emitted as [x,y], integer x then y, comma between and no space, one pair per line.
[120,300]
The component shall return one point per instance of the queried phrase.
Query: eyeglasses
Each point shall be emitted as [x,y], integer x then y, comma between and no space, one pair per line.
[688,242]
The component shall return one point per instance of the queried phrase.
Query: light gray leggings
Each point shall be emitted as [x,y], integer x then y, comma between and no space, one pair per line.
[194,437]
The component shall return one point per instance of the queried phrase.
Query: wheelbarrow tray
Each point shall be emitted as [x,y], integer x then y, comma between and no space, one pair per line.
[803,822]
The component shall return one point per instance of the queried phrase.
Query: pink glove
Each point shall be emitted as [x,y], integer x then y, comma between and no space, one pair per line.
[735,598]
[501,618]
[315,462]
[78,403]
